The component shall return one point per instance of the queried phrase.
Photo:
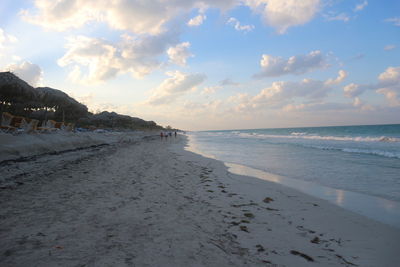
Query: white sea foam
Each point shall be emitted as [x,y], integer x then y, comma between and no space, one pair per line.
[356,144]
[373,152]
[298,133]
[330,138]
[388,154]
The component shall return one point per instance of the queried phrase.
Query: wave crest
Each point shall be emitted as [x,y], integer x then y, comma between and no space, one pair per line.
[296,135]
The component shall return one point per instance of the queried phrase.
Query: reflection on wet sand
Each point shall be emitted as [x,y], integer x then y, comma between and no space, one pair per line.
[379,209]
[339,197]
[243,170]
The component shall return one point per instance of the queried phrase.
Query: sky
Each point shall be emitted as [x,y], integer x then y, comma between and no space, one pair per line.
[213,64]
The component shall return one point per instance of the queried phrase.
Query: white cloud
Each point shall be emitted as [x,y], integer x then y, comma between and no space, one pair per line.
[341,76]
[390,77]
[353,90]
[153,17]
[391,95]
[7,44]
[179,53]
[61,15]
[197,21]
[31,73]
[6,39]
[388,85]
[285,14]
[104,60]
[100,57]
[282,93]
[361,6]
[389,47]
[238,26]
[210,90]
[136,16]
[337,17]
[278,66]
[357,102]
[175,86]
[395,20]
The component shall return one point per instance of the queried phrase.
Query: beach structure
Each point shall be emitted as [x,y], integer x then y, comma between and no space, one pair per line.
[48,104]
[64,106]
[19,98]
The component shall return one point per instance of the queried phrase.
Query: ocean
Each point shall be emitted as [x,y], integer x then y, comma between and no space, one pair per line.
[356,167]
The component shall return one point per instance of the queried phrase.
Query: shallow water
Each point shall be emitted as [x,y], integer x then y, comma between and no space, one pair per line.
[358,164]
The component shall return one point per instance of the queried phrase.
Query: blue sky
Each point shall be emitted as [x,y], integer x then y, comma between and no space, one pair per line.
[221,64]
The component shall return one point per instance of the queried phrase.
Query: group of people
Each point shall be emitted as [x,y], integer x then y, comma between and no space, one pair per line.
[166,134]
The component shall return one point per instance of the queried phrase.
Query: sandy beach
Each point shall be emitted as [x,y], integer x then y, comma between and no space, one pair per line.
[141,201]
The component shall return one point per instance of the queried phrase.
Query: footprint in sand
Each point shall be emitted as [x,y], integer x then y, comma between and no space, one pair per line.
[268,200]
[249,215]
[260,248]
[244,228]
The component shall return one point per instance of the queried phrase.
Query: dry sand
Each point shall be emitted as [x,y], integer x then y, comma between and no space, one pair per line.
[150,203]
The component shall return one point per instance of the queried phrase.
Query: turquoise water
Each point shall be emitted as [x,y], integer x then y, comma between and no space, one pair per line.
[355,167]
[363,159]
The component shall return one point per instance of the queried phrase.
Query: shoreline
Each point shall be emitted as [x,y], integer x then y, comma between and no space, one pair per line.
[124,203]
[299,208]
[376,208]
[373,207]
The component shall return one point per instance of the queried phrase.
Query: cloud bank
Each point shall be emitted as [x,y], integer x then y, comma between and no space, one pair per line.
[31,73]
[388,85]
[285,14]
[152,17]
[277,66]
[103,60]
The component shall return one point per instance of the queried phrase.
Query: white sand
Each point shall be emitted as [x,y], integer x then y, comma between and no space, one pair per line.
[15,146]
[151,203]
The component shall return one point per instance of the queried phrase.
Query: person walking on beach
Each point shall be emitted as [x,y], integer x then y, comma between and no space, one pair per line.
[175,134]
[161,135]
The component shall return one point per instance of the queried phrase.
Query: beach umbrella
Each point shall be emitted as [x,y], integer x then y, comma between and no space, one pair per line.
[13,89]
[61,102]
[19,94]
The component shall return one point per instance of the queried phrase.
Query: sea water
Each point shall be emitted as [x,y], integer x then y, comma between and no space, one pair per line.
[359,163]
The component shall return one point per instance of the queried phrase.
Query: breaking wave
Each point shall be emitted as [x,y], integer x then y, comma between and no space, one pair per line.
[388,154]
[296,135]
